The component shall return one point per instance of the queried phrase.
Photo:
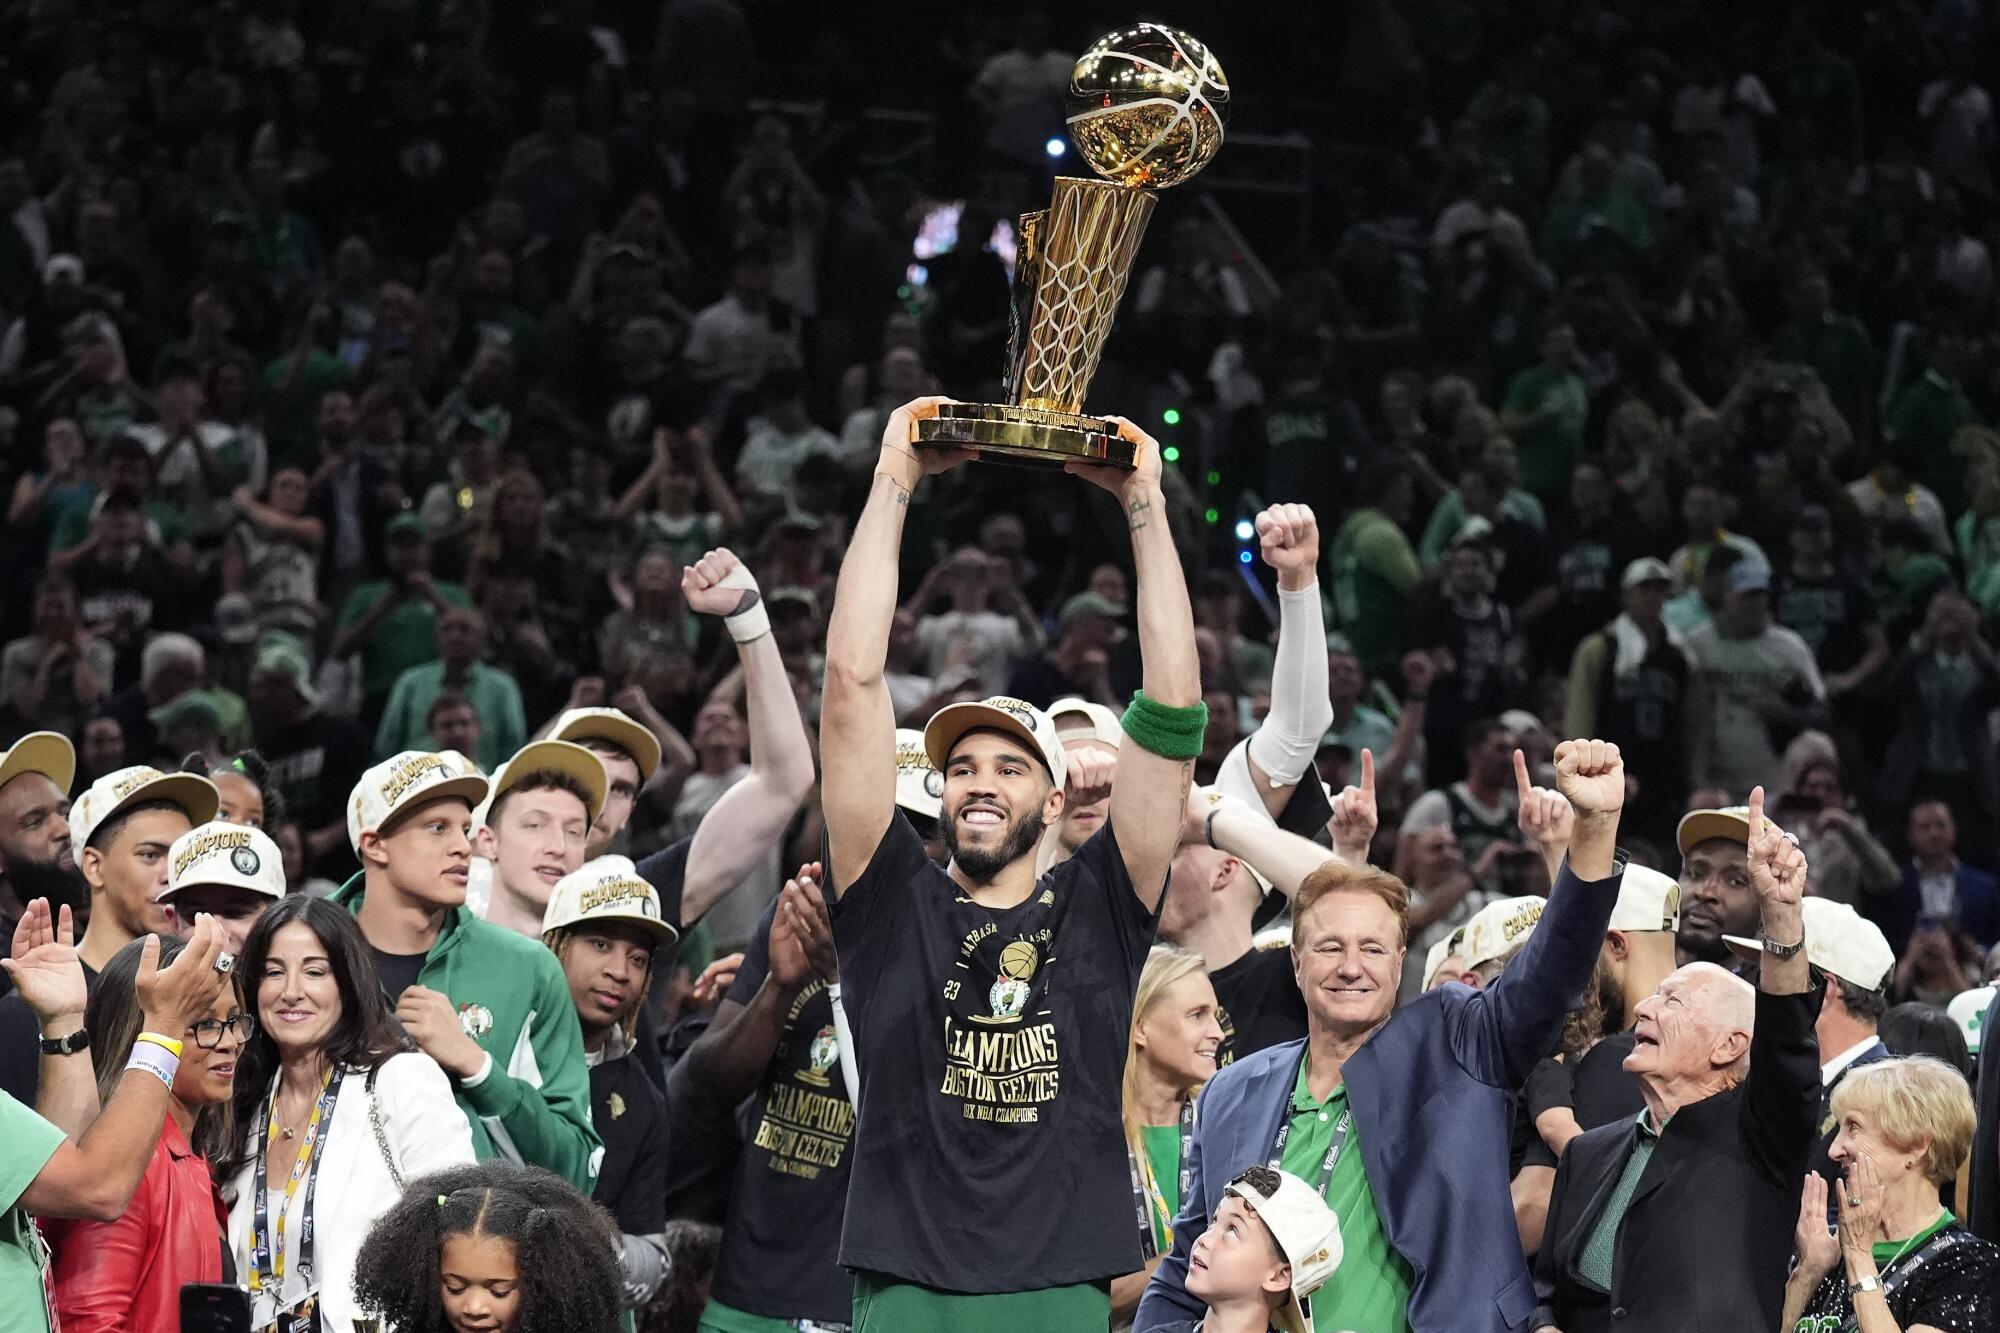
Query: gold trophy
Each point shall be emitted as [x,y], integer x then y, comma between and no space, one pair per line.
[1146,111]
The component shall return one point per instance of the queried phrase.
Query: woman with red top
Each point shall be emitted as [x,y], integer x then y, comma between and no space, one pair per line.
[126,1276]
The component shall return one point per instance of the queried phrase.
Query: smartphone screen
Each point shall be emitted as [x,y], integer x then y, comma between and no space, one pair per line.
[208,1307]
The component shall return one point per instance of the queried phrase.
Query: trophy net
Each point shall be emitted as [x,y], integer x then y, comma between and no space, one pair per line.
[1081,260]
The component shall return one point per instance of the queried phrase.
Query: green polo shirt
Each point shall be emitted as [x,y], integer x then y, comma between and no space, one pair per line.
[30,1142]
[1596,1264]
[1372,1289]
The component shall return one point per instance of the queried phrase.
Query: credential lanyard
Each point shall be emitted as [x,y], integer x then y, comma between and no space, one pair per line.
[267,1251]
[1333,1147]
[1148,1200]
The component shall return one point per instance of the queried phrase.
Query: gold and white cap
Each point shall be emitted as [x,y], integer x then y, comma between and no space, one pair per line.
[1647,900]
[232,856]
[565,757]
[1100,723]
[999,713]
[615,726]
[1499,926]
[410,778]
[133,786]
[46,752]
[1440,951]
[607,889]
[919,786]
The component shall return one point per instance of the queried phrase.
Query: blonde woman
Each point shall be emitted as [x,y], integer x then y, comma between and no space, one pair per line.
[1176,1032]
[1898,1262]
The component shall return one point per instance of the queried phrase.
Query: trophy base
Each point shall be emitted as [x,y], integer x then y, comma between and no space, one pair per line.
[1009,433]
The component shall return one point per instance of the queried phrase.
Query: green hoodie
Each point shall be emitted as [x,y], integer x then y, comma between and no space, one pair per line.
[534,1105]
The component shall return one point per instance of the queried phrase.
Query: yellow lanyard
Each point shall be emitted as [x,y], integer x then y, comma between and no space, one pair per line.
[300,1170]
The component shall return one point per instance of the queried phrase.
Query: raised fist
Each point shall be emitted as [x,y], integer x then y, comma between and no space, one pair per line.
[1591,777]
[708,587]
[1088,775]
[1289,537]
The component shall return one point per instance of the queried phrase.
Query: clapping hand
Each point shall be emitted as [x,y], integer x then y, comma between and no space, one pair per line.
[1860,1207]
[44,967]
[801,942]
[1814,1242]
[716,979]
[1354,815]
[1777,865]
[1544,816]
[176,997]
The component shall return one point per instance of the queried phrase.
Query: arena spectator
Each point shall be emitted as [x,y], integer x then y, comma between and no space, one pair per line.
[492,694]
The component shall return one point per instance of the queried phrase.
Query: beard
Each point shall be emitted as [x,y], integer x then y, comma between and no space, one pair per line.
[64,886]
[981,866]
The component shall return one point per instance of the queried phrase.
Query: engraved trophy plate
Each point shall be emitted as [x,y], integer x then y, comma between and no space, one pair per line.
[1146,110]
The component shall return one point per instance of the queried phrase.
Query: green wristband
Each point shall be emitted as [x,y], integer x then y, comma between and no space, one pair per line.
[1171,733]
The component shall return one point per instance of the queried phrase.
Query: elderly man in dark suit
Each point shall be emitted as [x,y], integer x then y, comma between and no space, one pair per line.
[1679,1220]
[1401,1119]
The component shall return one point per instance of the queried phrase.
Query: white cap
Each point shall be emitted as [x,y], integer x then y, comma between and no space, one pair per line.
[564,757]
[998,713]
[1100,723]
[1307,1232]
[46,752]
[607,889]
[1699,826]
[615,726]
[1215,798]
[1646,569]
[232,856]
[1499,926]
[131,786]
[919,786]
[1968,1010]
[1839,942]
[412,777]
[1647,900]
[1440,951]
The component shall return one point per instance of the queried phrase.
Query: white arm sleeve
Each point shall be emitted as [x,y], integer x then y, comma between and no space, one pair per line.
[1300,709]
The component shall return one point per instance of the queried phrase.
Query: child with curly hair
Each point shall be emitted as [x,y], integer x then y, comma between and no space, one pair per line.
[492,1248]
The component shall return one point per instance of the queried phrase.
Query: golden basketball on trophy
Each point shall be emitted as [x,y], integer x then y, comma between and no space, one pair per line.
[1146,110]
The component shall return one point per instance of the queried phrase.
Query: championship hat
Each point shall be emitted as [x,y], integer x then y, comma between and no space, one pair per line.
[919,786]
[1968,1010]
[615,726]
[133,786]
[232,856]
[1099,723]
[564,757]
[412,777]
[1499,926]
[1440,951]
[1307,1232]
[1029,724]
[1839,942]
[607,889]
[1647,900]
[46,752]
[1700,826]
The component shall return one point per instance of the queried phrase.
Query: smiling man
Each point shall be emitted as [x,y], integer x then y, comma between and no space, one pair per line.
[1401,1120]
[604,925]
[535,827]
[491,1007]
[991,1007]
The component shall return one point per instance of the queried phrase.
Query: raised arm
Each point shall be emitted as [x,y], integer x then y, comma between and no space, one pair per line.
[1778,874]
[1503,1030]
[857,723]
[1281,750]
[1149,801]
[1544,816]
[1229,825]
[45,970]
[750,817]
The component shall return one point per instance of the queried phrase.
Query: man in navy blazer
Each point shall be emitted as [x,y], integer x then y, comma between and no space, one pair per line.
[1430,1088]
[1972,899]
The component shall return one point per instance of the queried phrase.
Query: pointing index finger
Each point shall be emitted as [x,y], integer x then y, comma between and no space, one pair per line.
[1521,784]
[1367,771]
[1756,814]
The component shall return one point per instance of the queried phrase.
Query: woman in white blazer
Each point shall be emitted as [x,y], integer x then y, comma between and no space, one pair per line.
[332,1113]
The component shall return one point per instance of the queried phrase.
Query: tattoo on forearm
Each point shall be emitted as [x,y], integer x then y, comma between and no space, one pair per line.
[1138,510]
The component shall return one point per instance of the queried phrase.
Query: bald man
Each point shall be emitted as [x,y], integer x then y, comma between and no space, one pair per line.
[1679,1218]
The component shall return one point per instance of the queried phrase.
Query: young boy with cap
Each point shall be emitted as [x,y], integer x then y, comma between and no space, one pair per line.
[534,827]
[120,831]
[490,1007]
[230,871]
[603,923]
[1272,1244]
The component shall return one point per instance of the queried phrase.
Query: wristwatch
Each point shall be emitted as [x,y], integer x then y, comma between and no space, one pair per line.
[1869,1283]
[76,1041]
[1780,951]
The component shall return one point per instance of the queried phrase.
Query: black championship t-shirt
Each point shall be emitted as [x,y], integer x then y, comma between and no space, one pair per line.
[780,1245]
[1261,1003]
[989,1155]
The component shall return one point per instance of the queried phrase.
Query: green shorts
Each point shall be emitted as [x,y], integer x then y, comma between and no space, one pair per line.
[885,1305]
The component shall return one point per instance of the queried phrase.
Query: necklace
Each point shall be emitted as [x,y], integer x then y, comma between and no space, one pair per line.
[1906,1246]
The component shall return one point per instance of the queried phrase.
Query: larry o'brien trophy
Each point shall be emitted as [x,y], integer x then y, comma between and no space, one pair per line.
[1146,111]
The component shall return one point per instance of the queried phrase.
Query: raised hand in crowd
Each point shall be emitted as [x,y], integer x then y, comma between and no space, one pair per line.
[801,942]
[1545,816]
[1778,875]
[1288,540]
[1353,824]
[1590,775]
